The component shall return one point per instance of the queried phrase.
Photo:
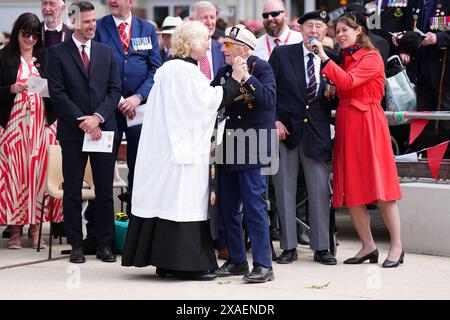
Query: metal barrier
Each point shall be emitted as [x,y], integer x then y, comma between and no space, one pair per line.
[418,170]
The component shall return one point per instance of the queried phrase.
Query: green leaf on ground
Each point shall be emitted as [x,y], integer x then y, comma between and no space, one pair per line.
[319,286]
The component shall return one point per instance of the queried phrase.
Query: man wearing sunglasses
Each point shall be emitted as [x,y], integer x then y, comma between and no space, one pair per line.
[278,33]
[240,176]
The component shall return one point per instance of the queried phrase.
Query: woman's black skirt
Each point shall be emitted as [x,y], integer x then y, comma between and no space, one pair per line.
[179,246]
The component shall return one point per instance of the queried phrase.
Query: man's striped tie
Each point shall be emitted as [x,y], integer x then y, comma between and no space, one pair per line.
[312,85]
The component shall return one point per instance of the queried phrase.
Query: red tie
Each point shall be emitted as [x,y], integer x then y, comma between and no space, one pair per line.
[124,36]
[205,66]
[277,41]
[85,58]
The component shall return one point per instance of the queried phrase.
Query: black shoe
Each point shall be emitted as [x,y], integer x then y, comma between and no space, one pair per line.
[373,257]
[324,257]
[77,254]
[393,264]
[229,269]
[105,254]
[196,275]
[260,274]
[288,256]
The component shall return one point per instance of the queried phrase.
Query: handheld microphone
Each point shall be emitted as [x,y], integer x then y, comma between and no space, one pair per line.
[314,47]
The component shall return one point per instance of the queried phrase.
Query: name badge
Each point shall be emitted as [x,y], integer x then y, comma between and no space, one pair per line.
[143,43]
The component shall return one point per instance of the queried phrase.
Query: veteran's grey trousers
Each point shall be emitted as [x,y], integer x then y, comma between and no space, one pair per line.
[317,183]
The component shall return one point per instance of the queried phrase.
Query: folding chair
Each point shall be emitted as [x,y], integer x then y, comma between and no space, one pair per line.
[54,187]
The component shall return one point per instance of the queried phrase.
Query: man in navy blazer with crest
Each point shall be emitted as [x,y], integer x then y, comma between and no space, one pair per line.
[84,87]
[303,123]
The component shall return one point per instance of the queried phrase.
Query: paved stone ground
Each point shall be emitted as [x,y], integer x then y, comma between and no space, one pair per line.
[421,277]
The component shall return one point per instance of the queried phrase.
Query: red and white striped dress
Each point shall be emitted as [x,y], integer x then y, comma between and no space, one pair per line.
[23,158]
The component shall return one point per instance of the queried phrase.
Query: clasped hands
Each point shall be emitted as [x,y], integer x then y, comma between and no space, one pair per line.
[89,124]
[128,106]
[240,69]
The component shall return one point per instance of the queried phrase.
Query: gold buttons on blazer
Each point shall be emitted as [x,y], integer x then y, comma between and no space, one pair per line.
[307,107]
[305,121]
[239,117]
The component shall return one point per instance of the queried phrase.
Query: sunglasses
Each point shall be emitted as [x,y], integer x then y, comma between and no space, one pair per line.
[27,34]
[230,45]
[274,14]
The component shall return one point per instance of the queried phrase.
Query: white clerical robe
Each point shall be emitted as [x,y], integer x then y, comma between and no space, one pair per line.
[171,173]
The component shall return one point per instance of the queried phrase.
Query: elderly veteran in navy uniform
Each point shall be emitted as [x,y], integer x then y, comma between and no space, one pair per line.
[241,178]
[303,124]
[135,44]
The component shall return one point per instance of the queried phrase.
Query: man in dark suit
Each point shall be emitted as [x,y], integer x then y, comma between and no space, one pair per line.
[303,124]
[135,44]
[84,87]
[249,133]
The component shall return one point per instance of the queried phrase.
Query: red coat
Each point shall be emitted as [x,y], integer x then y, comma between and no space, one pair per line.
[364,170]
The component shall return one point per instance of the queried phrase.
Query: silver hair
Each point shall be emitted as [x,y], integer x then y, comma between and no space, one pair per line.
[200,4]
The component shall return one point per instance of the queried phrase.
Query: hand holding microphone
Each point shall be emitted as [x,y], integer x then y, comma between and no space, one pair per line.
[315,49]
[316,46]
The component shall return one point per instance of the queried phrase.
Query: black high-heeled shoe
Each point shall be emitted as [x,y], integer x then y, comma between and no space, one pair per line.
[373,257]
[392,264]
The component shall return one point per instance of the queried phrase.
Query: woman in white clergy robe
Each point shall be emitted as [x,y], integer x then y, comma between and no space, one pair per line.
[169,227]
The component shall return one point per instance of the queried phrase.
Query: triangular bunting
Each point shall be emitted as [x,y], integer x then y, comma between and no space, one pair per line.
[417,126]
[435,155]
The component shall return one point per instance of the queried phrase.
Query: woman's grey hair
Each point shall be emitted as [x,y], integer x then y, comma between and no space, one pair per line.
[200,4]
[188,36]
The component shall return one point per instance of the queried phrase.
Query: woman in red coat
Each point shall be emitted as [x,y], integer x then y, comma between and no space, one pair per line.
[364,167]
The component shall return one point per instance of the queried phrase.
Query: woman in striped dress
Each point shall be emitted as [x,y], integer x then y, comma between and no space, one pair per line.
[25,133]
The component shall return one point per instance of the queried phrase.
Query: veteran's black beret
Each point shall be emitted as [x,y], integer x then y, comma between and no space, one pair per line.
[314,15]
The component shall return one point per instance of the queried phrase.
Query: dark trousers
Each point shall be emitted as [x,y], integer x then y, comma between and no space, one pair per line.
[427,100]
[74,164]
[246,187]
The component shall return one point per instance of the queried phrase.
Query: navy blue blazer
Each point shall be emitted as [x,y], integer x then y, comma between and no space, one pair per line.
[217,56]
[261,85]
[138,67]
[308,120]
[74,93]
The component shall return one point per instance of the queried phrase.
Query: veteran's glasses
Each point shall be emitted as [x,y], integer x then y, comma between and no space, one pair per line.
[229,45]
[273,14]
[27,34]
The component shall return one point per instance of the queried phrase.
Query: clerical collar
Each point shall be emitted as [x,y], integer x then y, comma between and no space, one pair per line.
[187,59]
[58,28]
